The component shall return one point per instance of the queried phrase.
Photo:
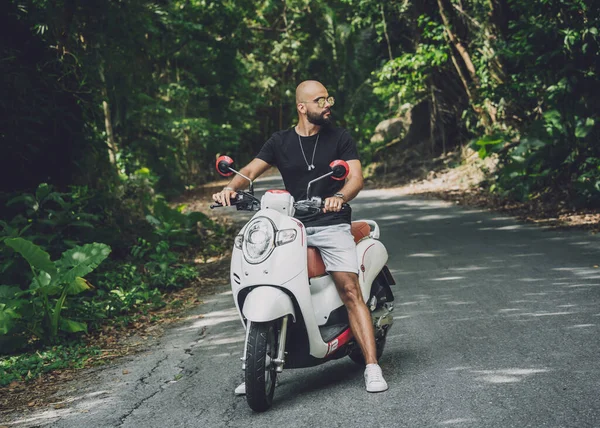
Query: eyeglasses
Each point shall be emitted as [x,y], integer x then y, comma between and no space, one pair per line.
[321,101]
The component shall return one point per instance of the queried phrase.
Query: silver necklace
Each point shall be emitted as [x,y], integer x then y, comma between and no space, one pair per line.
[310,166]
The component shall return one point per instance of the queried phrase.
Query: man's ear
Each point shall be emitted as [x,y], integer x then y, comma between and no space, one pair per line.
[301,108]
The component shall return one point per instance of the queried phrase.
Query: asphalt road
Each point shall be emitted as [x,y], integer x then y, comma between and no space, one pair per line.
[496,325]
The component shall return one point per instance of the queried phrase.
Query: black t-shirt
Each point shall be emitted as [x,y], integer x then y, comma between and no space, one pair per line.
[283,151]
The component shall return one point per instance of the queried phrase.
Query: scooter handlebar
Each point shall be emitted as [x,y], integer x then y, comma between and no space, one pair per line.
[234,201]
[244,201]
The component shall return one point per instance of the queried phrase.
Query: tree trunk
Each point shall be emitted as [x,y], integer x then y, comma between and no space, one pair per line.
[110,137]
[464,54]
[472,90]
[387,37]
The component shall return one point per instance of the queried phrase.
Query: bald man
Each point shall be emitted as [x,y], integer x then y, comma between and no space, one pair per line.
[301,154]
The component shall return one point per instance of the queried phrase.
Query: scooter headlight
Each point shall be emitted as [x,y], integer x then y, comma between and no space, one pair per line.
[259,240]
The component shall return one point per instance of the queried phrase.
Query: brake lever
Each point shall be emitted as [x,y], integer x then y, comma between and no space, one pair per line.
[239,198]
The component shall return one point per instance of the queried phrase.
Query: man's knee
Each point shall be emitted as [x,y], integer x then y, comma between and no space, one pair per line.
[348,288]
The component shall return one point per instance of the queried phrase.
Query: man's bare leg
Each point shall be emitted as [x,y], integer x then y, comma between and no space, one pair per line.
[361,326]
[358,313]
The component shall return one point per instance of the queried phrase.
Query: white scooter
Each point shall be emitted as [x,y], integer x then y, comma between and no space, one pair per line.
[287,302]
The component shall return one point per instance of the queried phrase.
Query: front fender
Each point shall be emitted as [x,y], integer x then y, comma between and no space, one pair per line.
[267,303]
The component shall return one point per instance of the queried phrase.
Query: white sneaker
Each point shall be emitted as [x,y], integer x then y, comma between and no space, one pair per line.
[241,389]
[374,379]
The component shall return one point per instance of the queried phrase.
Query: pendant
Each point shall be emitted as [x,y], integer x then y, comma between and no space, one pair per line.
[310,167]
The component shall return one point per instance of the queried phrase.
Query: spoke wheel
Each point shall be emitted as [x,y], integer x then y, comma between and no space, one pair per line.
[260,369]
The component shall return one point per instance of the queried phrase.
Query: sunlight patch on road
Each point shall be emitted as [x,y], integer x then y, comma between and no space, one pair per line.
[435,217]
[506,375]
[212,319]
[85,405]
[588,273]
[448,278]
[458,303]
[502,228]
[457,421]
[459,368]
[582,285]
[469,269]
[423,255]
[547,314]
[528,255]
[224,341]
[394,217]
[581,326]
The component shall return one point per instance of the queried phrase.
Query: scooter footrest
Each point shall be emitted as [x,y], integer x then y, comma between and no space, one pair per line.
[330,332]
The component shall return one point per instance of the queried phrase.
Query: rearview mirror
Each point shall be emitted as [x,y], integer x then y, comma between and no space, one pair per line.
[339,169]
[224,166]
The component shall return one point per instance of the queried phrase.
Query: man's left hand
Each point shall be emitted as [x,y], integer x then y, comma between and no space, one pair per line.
[333,204]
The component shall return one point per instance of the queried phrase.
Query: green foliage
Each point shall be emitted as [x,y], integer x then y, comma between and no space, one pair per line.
[488,144]
[30,366]
[38,309]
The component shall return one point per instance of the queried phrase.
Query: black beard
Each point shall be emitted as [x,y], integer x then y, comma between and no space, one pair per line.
[318,119]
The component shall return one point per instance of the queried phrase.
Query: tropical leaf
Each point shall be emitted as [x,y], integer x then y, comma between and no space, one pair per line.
[41,281]
[79,286]
[37,258]
[9,292]
[7,317]
[42,191]
[28,199]
[71,326]
[80,261]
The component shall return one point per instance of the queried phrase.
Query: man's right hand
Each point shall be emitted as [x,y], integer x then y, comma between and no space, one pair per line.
[224,196]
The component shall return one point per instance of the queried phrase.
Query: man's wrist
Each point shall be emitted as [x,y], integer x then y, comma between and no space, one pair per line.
[229,188]
[340,195]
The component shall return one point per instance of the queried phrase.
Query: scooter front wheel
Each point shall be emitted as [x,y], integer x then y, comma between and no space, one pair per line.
[260,369]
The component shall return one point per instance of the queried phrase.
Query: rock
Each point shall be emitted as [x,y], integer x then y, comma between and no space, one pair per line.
[390,129]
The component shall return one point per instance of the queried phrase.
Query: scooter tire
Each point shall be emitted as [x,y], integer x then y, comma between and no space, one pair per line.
[260,375]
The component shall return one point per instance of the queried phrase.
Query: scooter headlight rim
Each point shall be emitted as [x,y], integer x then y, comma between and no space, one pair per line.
[259,240]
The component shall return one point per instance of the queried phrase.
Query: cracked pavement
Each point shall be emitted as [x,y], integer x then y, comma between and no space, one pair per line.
[496,325]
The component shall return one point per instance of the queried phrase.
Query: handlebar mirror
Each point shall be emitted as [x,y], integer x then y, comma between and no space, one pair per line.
[340,169]
[224,166]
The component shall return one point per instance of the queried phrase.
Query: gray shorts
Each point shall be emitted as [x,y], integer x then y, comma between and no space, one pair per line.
[336,245]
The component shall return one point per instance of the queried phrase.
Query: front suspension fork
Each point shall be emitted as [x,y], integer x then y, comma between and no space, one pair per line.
[279,361]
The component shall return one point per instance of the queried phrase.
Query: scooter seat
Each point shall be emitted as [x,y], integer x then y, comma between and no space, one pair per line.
[316,267]
[360,230]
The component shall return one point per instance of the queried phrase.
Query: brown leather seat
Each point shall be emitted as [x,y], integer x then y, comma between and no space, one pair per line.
[316,267]
[360,229]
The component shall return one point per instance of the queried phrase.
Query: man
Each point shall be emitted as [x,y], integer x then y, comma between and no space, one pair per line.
[302,154]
